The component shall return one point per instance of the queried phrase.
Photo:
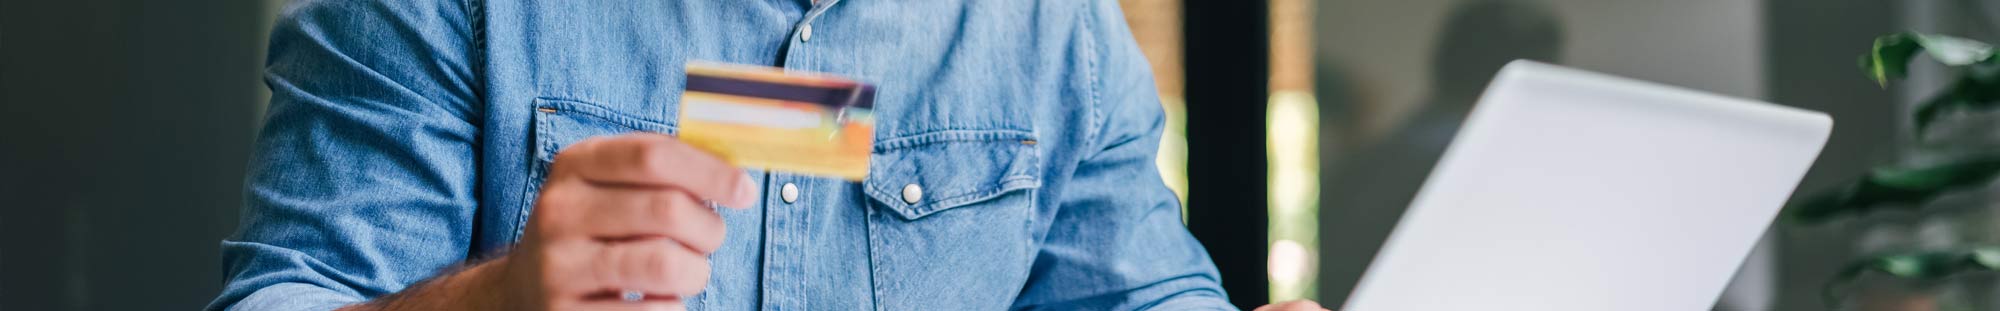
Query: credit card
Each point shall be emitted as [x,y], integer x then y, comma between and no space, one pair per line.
[779,120]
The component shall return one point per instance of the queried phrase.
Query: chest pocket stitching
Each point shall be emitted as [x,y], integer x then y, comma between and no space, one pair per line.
[941,136]
[1020,171]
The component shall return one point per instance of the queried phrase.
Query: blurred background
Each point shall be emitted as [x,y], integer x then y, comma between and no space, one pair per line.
[1300,129]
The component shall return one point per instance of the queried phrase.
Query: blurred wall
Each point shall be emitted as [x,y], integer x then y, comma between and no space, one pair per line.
[1384,49]
[121,156]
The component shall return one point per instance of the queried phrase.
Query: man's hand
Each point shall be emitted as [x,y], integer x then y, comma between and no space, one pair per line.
[617,215]
[1295,305]
[620,214]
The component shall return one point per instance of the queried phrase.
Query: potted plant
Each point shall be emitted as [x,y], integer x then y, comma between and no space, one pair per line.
[1938,183]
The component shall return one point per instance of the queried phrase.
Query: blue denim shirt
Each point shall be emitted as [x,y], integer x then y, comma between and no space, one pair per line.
[405,137]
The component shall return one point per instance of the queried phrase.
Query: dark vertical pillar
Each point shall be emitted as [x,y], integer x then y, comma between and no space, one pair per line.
[1811,49]
[1228,77]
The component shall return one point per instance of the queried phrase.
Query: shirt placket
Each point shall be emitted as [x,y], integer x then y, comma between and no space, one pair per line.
[784,263]
[800,50]
[788,208]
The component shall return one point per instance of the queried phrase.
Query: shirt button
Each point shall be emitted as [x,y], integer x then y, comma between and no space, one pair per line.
[790,193]
[912,193]
[806,33]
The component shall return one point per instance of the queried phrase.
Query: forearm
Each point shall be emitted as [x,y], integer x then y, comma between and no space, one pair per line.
[473,287]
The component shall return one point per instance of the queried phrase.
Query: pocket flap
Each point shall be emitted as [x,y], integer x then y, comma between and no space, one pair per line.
[559,123]
[921,174]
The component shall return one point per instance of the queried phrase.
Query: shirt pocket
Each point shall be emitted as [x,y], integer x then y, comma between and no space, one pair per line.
[559,123]
[919,175]
[952,216]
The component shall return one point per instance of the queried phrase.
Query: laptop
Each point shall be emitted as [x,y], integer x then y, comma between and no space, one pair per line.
[1573,190]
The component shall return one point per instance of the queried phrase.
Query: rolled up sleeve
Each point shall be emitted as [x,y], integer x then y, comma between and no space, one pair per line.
[1116,241]
[363,177]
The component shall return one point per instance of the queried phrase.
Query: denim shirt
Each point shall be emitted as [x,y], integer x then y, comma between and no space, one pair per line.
[1013,164]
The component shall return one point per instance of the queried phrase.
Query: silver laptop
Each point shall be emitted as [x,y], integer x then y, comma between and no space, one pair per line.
[1573,190]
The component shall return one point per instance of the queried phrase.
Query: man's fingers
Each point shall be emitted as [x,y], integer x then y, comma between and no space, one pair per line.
[647,159]
[634,212]
[659,268]
[619,305]
[1295,305]
[627,213]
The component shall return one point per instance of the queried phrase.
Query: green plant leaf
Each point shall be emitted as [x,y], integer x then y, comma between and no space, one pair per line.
[1891,54]
[1921,265]
[1906,187]
[1889,57]
[1977,87]
[1978,84]
[1988,257]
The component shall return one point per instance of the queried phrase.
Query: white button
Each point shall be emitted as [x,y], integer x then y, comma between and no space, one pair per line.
[790,193]
[912,193]
[806,33]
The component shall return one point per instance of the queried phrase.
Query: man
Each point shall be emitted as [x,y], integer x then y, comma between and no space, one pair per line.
[478,155]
